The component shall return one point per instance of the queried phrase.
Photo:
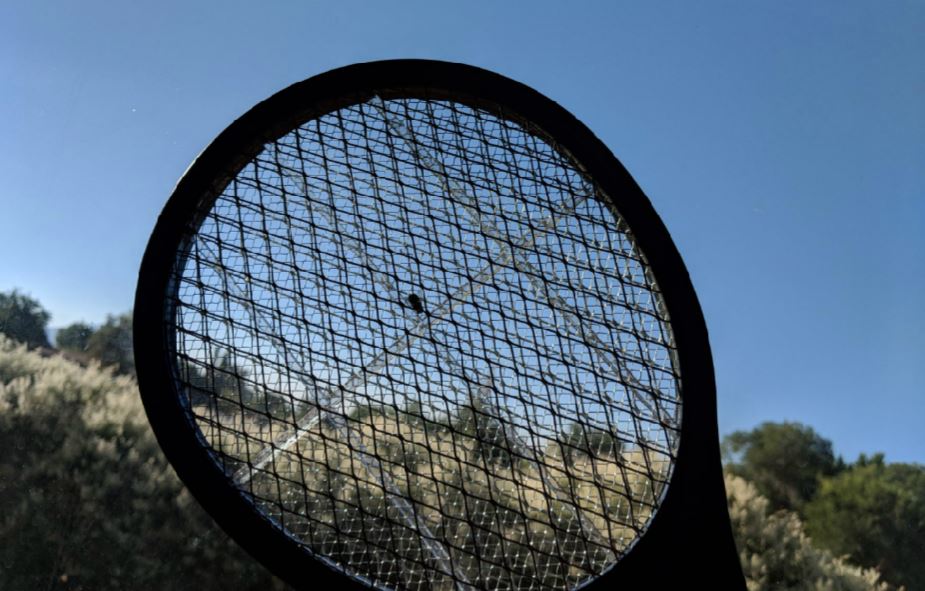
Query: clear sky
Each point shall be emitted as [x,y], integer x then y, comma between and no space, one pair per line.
[783,143]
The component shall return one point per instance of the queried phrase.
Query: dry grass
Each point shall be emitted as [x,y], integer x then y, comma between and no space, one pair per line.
[501,520]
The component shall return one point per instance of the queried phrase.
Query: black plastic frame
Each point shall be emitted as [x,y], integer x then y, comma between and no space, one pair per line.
[689,541]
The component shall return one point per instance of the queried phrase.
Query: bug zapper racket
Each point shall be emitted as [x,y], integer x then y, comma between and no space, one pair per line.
[410,325]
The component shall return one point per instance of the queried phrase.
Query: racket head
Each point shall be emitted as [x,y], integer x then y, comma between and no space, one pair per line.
[691,508]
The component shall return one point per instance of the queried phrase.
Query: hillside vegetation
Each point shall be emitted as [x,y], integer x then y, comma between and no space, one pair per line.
[87,500]
[507,516]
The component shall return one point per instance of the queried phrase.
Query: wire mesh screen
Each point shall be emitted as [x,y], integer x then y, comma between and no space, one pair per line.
[417,338]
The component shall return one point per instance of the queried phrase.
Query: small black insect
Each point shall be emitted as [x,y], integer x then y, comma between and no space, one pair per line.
[416,304]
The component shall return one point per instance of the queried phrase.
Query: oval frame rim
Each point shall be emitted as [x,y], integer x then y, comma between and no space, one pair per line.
[693,508]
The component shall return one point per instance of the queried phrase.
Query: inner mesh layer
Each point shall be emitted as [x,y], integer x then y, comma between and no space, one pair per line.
[416,337]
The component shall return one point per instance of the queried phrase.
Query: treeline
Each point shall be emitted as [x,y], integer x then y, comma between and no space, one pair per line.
[87,500]
[23,319]
[870,511]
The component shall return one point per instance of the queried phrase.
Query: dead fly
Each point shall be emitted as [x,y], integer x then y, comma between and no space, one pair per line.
[416,304]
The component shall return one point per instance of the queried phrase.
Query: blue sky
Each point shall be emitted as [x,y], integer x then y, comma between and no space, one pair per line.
[782,142]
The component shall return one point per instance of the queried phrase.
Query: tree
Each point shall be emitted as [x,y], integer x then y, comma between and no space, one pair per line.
[591,442]
[225,386]
[776,552]
[874,512]
[783,460]
[112,344]
[74,337]
[476,421]
[23,319]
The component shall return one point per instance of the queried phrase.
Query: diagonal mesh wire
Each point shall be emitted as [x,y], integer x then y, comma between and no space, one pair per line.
[414,335]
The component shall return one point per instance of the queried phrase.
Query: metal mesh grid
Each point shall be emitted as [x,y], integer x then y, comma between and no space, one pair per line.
[415,336]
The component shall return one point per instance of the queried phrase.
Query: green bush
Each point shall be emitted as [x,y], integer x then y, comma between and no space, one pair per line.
[777,554]
[23,319]
[74,337]
[783,460]
[111,344]
[874,512]
[87,500]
